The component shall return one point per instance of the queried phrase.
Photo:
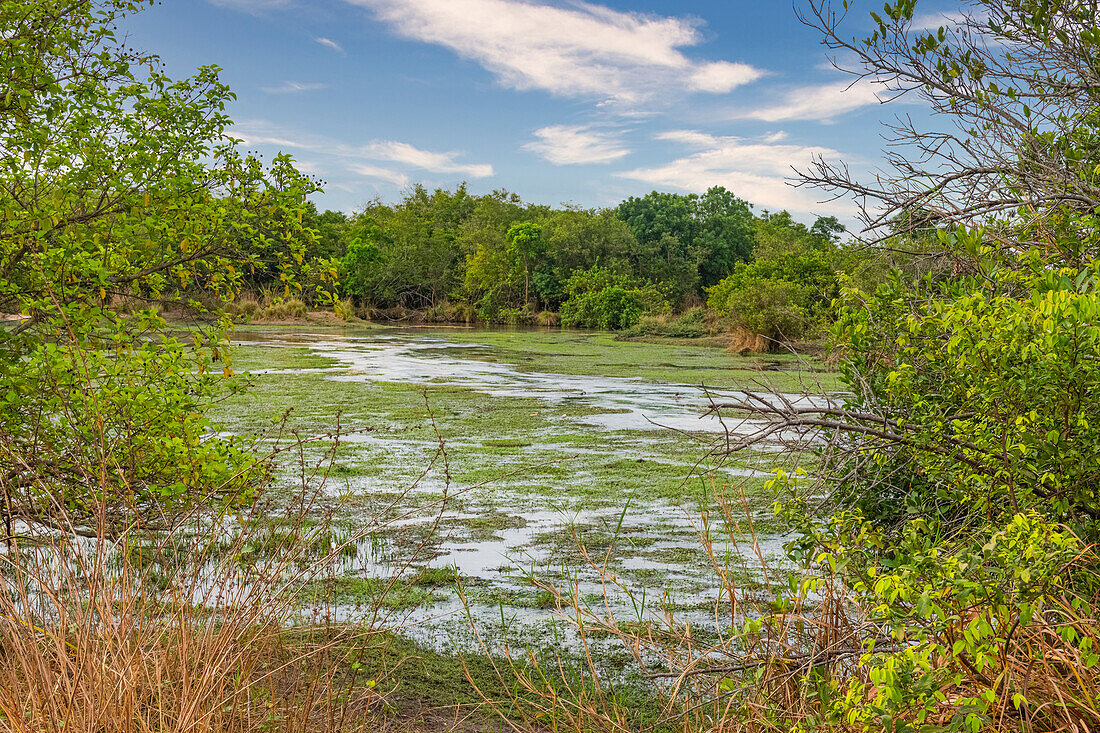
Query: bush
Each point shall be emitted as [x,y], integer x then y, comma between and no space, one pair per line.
[612,308]
[516,316]
[777,310]
[447,312]
[601,298]
[286,310]
[548,319]
[692,323]
[343,309]
[783,298]
[243,309]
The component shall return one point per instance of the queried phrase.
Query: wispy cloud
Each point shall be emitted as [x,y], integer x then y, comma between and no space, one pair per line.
[398,152]
[932,20]
[351,156]
[329,43]
[580,50]
[756,170]
[294,87]
[575,145]
[823,103]
[382,174]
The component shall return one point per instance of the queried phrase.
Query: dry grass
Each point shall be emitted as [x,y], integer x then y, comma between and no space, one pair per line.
[178,631]
[213,624]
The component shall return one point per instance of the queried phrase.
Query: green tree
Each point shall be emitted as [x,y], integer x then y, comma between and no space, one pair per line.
[422,261]
[360,269]
[602,298]
[965,508]
[526,244]
[663,225]
[724,234]
[119,185]
[578,239]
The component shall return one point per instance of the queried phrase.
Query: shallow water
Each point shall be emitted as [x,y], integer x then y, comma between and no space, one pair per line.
[652,546]
[425,359]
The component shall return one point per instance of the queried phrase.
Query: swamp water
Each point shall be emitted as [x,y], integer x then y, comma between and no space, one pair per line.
[498,457]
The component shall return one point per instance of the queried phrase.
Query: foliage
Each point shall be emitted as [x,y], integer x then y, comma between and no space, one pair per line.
[786,292]
[965,512]
[599,298]
[692,323]
[360,264]
[688,241]
[120,185]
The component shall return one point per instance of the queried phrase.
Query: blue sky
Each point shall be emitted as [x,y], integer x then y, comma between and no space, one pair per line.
[561,102]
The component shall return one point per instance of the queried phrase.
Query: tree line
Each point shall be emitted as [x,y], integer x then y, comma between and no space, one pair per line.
[493,258]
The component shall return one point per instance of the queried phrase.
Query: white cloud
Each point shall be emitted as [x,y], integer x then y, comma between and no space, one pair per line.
[576,144]
[383,174]
[262,133]
[581,50]
[934,20]
[756,171]
[399,152]
[721,77]
[294,87]
[329,43]
[822,103]
[687,137]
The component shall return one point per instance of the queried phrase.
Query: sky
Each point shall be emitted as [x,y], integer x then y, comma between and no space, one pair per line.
[578,103]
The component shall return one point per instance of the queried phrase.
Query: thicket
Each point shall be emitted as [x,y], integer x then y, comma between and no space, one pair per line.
[452,255]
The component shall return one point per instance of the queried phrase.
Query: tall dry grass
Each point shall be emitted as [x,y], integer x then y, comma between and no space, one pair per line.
[220,622]
[195,629]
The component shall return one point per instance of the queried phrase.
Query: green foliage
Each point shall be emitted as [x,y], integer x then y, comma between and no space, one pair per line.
[120,184]
[686,241]
[947,654]
[360,265]
[579,239]
[993,376]
[600,298]
[965,509]
[692,323]
[509,260]
[785,297]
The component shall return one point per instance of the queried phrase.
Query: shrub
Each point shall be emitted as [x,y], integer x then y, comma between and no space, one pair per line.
[286,310]
[516,316]
[548,319]
[601,298]
[343,309]
[775,309]
[786,297]
[692,323]
[447,312]
[243,309]
[611,308]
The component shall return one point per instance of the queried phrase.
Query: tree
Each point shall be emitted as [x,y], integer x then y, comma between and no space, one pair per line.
[1011,198]
[724,233]
[1023,142]
[688,241]
[360,265]
[965,510]
[493,271]
[578,239]
[664,228]
[526,244]
[422,261]
[119,186]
